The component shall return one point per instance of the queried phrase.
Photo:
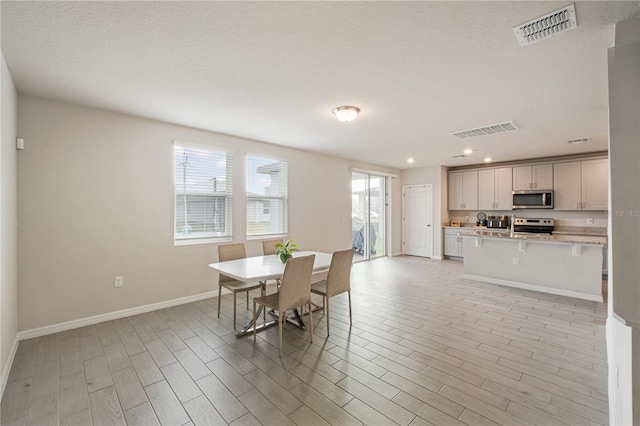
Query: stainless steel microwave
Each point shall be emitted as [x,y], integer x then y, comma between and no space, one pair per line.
[536,199]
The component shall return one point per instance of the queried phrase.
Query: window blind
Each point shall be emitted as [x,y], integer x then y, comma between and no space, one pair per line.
[267,196]
[203,190]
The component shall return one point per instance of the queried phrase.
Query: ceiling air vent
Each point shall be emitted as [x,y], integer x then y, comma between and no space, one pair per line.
[546,26]
[458,156]
[486,130]
[583,140]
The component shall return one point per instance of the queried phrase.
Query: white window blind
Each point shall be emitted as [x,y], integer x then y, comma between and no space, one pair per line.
[203,189]
[267,196]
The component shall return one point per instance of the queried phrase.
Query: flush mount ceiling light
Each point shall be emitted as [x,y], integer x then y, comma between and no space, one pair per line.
[488,160]
[546,26]
[346,112]
[410,160]
[467,151]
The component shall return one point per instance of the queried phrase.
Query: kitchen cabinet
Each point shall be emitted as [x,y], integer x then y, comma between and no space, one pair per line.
[537,176]
[463,190]
[453,242]
[581,185]
[494,189]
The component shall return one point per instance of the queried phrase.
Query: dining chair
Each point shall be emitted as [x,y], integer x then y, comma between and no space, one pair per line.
[338,281]
[232,252]
[295,291]
[269,248]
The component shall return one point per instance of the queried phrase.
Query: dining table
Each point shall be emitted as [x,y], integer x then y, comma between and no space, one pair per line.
[263,268]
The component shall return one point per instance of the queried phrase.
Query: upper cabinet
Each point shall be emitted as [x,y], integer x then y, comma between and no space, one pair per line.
[463,190]
[538,176]
[581,185]
[494,189]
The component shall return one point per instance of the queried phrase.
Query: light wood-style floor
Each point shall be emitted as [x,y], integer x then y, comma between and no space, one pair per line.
[426,347]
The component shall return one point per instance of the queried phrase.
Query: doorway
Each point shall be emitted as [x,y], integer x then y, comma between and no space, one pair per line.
[368,215]
[417,229]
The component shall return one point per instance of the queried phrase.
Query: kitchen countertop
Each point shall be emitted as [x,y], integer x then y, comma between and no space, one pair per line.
[559,238]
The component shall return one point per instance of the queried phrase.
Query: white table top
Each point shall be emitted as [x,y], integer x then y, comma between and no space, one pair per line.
[260,268]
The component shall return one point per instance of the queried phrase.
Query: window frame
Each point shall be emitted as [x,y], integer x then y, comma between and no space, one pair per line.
[266,198]
[228,195]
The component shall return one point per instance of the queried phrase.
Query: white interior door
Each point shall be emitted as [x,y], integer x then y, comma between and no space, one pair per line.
[417,210]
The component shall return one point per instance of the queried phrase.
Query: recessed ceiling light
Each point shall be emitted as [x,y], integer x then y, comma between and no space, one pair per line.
[488,160]
[346,112]
[468,151]
[410,160]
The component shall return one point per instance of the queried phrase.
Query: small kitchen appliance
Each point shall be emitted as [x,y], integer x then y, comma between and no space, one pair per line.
[498,222]
[533,226]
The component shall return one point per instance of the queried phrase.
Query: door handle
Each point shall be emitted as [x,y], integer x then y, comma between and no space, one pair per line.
[429,225]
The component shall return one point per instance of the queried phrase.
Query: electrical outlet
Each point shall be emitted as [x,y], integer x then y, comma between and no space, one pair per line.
[466,218]
[118,282]
[590,220]
[516,261]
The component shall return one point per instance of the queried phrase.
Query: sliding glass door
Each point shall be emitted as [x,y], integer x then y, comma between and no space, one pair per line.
[368,215]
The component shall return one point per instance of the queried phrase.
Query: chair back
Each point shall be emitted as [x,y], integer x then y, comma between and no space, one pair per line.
[230,252]
[269,246]
[339,276]
[295,289]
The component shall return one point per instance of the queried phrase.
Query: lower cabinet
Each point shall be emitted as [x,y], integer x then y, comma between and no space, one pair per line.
[453,242]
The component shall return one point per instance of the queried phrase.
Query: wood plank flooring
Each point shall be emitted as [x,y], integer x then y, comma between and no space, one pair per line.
[426,347]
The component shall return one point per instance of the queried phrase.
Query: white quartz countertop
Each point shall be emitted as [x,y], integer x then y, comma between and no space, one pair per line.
[580,239]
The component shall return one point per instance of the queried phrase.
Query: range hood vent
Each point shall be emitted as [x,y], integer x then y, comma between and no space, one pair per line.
[486,130]
[546,26]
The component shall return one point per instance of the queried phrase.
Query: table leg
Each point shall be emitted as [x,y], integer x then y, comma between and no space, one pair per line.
[248,329]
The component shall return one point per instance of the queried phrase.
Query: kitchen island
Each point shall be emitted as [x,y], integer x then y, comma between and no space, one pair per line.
[566,265]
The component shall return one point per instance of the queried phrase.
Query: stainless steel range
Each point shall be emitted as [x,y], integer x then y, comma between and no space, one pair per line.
[533,226]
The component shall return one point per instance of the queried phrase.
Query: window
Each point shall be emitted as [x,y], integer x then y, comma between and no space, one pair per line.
[202,187]
[267,192]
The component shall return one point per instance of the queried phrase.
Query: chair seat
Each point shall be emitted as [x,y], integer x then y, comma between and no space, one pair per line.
[236,286]
[319,288]
[270,300]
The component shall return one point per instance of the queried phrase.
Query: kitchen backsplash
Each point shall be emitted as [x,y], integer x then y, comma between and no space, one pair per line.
[563,219]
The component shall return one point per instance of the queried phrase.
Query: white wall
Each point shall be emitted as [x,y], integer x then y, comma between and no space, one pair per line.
[623,322]
[96,200]
[8,224]
[434,176]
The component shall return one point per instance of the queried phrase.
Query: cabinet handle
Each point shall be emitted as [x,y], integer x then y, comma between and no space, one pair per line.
[578,206]
[584,205]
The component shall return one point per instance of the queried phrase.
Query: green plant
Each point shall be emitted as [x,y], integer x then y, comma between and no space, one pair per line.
[285,251]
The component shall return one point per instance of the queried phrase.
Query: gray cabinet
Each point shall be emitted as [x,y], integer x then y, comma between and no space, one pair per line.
[463,190]
[581,185]
[537,176]
[453,242]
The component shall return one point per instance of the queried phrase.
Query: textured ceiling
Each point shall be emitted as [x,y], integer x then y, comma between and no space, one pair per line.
[273,71]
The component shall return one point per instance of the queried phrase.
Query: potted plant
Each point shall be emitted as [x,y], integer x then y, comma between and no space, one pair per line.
[285,251]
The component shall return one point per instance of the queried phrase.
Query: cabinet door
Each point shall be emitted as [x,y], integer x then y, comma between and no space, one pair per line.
[486,190]
[503,189]
[522,178]
[542,176]
[470,190]
[450,245]
[595,177]
[566,186]
[455,191]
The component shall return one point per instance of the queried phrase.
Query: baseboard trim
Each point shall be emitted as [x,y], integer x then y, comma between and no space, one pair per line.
[436,257]
[6,369]
[82,322]
[558,292]
[398,253]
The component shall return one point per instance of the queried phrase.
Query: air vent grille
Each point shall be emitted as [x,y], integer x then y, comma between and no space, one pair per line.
[458,156]
[486,130]
[546,26]
[583,140]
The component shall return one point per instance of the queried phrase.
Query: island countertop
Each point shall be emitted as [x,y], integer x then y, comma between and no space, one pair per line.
[561,238]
